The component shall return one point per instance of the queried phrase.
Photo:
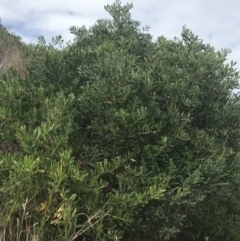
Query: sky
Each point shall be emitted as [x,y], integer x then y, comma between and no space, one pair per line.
[216,22]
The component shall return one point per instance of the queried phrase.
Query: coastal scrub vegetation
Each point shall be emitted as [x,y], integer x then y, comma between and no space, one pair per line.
[118,137]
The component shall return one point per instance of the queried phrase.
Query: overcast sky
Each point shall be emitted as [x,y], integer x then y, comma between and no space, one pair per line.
[215,21]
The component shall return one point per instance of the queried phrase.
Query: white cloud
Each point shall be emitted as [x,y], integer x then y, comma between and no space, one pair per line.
[215,21]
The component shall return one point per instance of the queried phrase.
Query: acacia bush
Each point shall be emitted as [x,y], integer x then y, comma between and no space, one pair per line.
[118,137]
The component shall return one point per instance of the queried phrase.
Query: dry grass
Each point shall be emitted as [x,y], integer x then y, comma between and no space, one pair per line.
[23,229]
[11,56]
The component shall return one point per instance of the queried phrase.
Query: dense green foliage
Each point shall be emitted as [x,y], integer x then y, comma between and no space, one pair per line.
[8,37]
[117,137]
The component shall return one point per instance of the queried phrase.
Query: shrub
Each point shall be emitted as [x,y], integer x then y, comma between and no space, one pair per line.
[117,137]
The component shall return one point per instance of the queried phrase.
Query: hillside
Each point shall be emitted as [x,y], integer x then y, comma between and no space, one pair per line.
[11,50]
